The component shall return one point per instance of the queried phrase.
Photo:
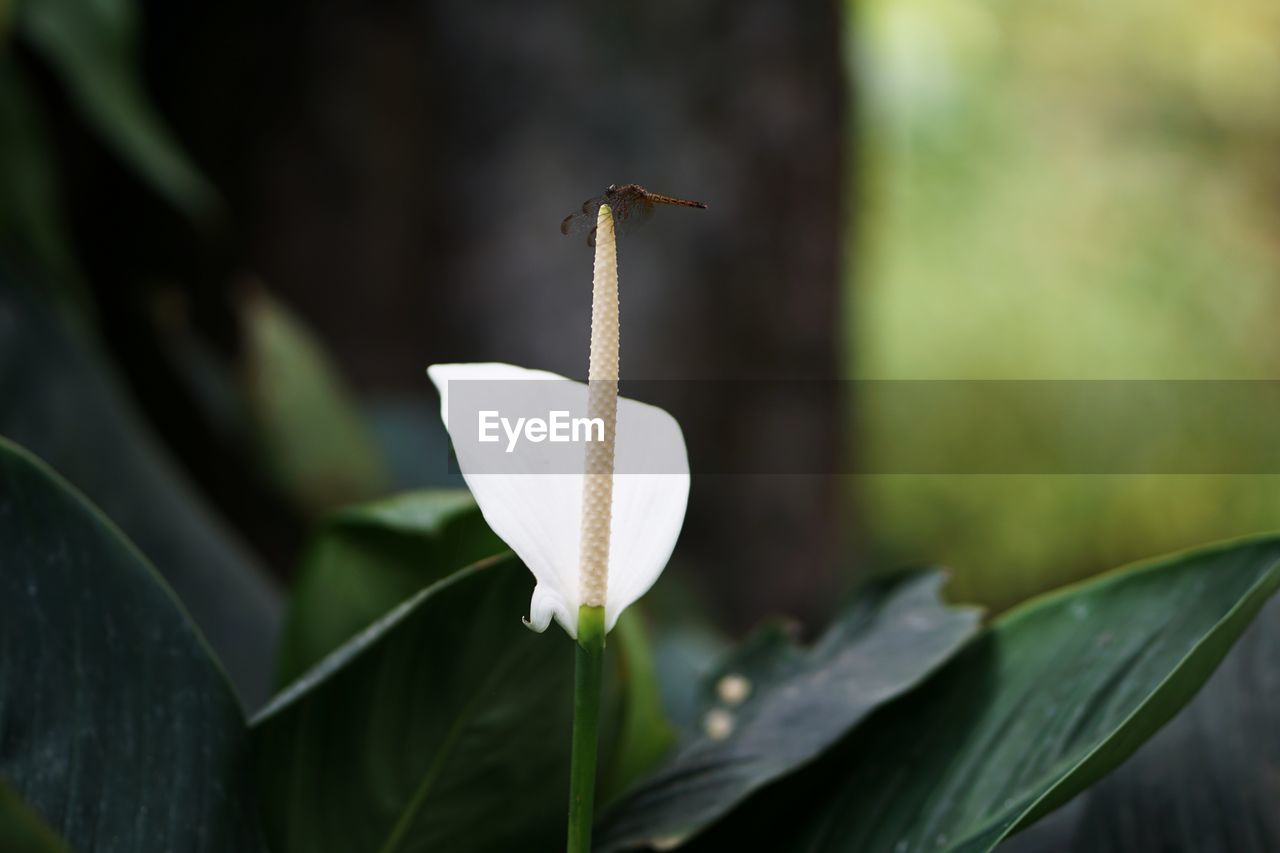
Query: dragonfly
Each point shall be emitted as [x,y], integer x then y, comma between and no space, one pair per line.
[632,205]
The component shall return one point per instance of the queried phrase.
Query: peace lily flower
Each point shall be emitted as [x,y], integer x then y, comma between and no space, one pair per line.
[590,537]
[540,515]
[597,525]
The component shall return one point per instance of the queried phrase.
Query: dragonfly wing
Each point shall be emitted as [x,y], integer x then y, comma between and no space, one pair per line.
[630,214]
[584,222]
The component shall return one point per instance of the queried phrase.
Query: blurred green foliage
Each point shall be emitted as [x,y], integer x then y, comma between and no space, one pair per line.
[1074,190]
[30,218]
[93,47]
[310,437]
[91,51]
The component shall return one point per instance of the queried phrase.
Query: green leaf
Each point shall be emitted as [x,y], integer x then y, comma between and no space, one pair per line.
[1206,781]
[59,398]
[312,439]
[1057,693]
[21,829]
[31,218]
[120,728]
[364,560]
[772,707]
[444,726]
[92,45]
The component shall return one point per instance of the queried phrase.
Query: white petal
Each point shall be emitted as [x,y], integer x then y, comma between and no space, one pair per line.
[548,603]
[532,496]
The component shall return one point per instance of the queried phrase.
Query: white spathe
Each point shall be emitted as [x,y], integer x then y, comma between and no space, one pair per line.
[536,508]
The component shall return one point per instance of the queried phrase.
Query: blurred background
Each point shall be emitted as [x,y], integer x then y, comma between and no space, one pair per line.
[233,235]
[1074,190]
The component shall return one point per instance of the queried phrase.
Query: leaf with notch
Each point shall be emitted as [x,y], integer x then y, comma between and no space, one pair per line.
[797,703]
[1053,696]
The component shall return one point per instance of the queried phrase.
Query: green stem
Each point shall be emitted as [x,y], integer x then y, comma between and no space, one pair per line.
[586,722]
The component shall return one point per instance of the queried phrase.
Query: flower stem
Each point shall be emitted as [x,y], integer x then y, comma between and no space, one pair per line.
[586,723]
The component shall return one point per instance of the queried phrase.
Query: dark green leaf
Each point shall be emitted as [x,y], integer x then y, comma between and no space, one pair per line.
[58,398]
[444,726]
[1209,781]
[1052,697]
[119,727]
[773,707]
[93,48]
[21,829]
[364,560]
[367,559]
